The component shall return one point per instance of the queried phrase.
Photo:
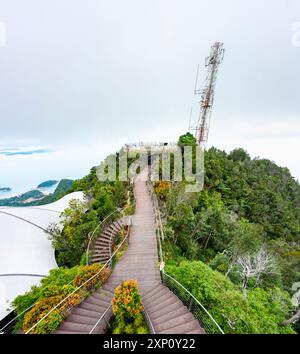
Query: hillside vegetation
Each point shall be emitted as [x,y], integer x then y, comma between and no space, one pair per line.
[243,224]
[78,221]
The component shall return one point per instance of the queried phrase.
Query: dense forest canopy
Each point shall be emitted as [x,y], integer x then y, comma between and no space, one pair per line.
[245,223]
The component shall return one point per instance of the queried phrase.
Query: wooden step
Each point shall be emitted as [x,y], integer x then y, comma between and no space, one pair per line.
[174,322]
[154,291]
[172,314]
[101,241]
[165,301]
[86,313]
[182,329]
[75,327]
[92,307]
[82,319]
[160,297]
[155,314]
[97,302]
[67,332]
[197,331]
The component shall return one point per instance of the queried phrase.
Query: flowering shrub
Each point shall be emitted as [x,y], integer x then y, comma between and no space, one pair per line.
[72,301]
[127,307]
[127,301]
[39,311]
[161,189]
[137,325]
[105,274]
[51,292]
[86,272]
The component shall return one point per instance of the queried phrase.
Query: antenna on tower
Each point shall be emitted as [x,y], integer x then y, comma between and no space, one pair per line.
[190,120]
[196,81]
[212,63]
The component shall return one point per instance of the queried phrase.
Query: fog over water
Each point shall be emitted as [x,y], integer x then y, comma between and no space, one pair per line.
[82,78]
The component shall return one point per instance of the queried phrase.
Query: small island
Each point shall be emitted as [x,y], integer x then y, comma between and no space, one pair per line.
[5,189]
[47,184]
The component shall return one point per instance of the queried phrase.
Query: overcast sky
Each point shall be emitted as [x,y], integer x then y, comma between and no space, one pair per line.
[92,75]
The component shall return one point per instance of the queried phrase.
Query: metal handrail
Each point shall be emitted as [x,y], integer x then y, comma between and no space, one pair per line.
[195,299]
[79,287]
[94,232]
[160,238]
[87,252]
[149,322]
[99,320]
[159,229]
[20,314]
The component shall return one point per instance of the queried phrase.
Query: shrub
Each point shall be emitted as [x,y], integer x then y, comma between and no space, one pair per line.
[105,274]
[142,330]
[127,300]
[54,288]
[72,301]
[39,311]
[161,189]
[134,325]
[86,272]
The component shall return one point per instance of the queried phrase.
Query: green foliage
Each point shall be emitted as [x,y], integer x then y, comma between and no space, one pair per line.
[127,307]
[85,273]
[127,301]
[246,204]
[63,188]
[70,238]
[186,140]
[247,237]
[220,263]
[262,313]
[135,325]
[60,283]
[161,189]
[256,189]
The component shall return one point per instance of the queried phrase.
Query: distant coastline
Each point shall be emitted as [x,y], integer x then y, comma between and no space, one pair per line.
[38,196]
[5,189]
[47,184]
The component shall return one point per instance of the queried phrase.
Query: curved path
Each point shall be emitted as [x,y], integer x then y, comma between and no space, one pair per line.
[140,261]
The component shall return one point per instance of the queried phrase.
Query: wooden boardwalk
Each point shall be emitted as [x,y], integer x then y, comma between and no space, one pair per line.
[140,261]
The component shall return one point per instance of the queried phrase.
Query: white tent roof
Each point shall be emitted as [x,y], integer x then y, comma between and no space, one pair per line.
[25,251]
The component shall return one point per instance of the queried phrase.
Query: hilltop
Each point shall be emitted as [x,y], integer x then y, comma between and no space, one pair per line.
[37,197]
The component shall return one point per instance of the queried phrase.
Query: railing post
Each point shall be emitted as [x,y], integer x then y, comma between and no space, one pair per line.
[191,304]
[110,246]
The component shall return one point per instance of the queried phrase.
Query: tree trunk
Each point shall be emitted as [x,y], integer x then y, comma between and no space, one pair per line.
[245,283]
[293,319]
[207,240]
[228,270]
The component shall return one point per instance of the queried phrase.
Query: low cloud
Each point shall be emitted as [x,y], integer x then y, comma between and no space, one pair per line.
[23,151]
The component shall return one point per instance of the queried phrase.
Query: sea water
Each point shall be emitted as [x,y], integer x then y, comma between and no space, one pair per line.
[25,172]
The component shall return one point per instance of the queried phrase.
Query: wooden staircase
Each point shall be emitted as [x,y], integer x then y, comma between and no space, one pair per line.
[83,318]
[168,314]
[101,251]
